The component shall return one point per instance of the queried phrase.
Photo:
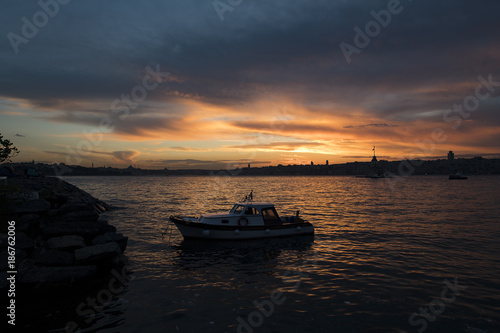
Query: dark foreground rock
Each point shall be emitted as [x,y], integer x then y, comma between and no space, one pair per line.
[97,254]
[50,275]
[67,242]
[81,228]
[46,257]
[60,238]
[33,206]
[111,237]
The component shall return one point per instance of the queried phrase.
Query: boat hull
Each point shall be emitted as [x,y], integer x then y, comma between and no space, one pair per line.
[459,177]
[197,230]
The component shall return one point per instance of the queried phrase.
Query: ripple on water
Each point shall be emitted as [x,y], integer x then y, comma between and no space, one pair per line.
[379,253]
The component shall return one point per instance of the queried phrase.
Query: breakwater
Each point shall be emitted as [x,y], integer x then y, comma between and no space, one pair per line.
[52,234]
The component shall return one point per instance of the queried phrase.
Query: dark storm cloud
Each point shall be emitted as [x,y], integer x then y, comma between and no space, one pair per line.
[99,50]
[131,125]
[285,146]
[371,125]
[121,156]
[290,128]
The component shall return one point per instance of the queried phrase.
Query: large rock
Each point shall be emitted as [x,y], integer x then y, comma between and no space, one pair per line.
[66,242]
[20,256]
[4,264]
[30,274]
[24,242]
[82,215]
[85,229]
[4,240]
[97,254]
[27,222]
[54,258]
[101,207]
[111,237]
[33,206]
[74,207]
[28,218]
[4,283]
[57,200]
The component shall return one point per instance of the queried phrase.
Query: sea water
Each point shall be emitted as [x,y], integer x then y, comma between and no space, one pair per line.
[410,254]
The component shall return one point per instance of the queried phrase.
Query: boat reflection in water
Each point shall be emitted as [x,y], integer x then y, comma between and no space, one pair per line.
[193,253]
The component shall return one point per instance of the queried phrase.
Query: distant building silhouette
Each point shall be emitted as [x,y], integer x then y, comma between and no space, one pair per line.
[374,159]
[451,156]
[374,168]
[326,162]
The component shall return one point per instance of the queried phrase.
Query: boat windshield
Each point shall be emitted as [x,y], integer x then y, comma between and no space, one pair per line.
[251,211]
[237,209]
[270,213]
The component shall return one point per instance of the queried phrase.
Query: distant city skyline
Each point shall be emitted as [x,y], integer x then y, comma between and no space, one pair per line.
[187,85]
[488,164]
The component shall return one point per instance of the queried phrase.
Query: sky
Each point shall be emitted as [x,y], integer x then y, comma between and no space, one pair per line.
[185,84]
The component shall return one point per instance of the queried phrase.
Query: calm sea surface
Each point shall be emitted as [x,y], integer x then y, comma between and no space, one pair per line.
[399,255]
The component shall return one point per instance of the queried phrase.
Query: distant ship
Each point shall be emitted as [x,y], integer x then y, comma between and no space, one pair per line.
[457,176]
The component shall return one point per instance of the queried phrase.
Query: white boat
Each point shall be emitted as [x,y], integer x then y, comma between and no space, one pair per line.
[246,220]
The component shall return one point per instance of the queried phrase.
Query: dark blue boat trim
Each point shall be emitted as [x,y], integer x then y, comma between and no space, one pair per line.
[204,226]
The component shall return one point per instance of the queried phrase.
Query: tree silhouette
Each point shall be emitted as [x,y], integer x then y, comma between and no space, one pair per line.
[7,150]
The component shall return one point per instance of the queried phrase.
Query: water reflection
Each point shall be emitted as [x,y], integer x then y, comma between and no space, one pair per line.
[379,253]
[193,254]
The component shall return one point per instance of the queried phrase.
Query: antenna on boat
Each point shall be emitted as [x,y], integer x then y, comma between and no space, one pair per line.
[249,197]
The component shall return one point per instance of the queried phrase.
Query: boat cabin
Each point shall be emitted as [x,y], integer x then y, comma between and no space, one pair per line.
[245,214]
[263,210]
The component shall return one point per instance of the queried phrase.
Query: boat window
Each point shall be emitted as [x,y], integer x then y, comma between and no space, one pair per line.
[251,211]
[238,209]
[269,213]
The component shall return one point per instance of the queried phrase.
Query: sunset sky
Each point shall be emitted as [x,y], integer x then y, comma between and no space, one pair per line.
[206,84]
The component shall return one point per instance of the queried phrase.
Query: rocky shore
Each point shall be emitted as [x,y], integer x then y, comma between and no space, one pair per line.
[60,238]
